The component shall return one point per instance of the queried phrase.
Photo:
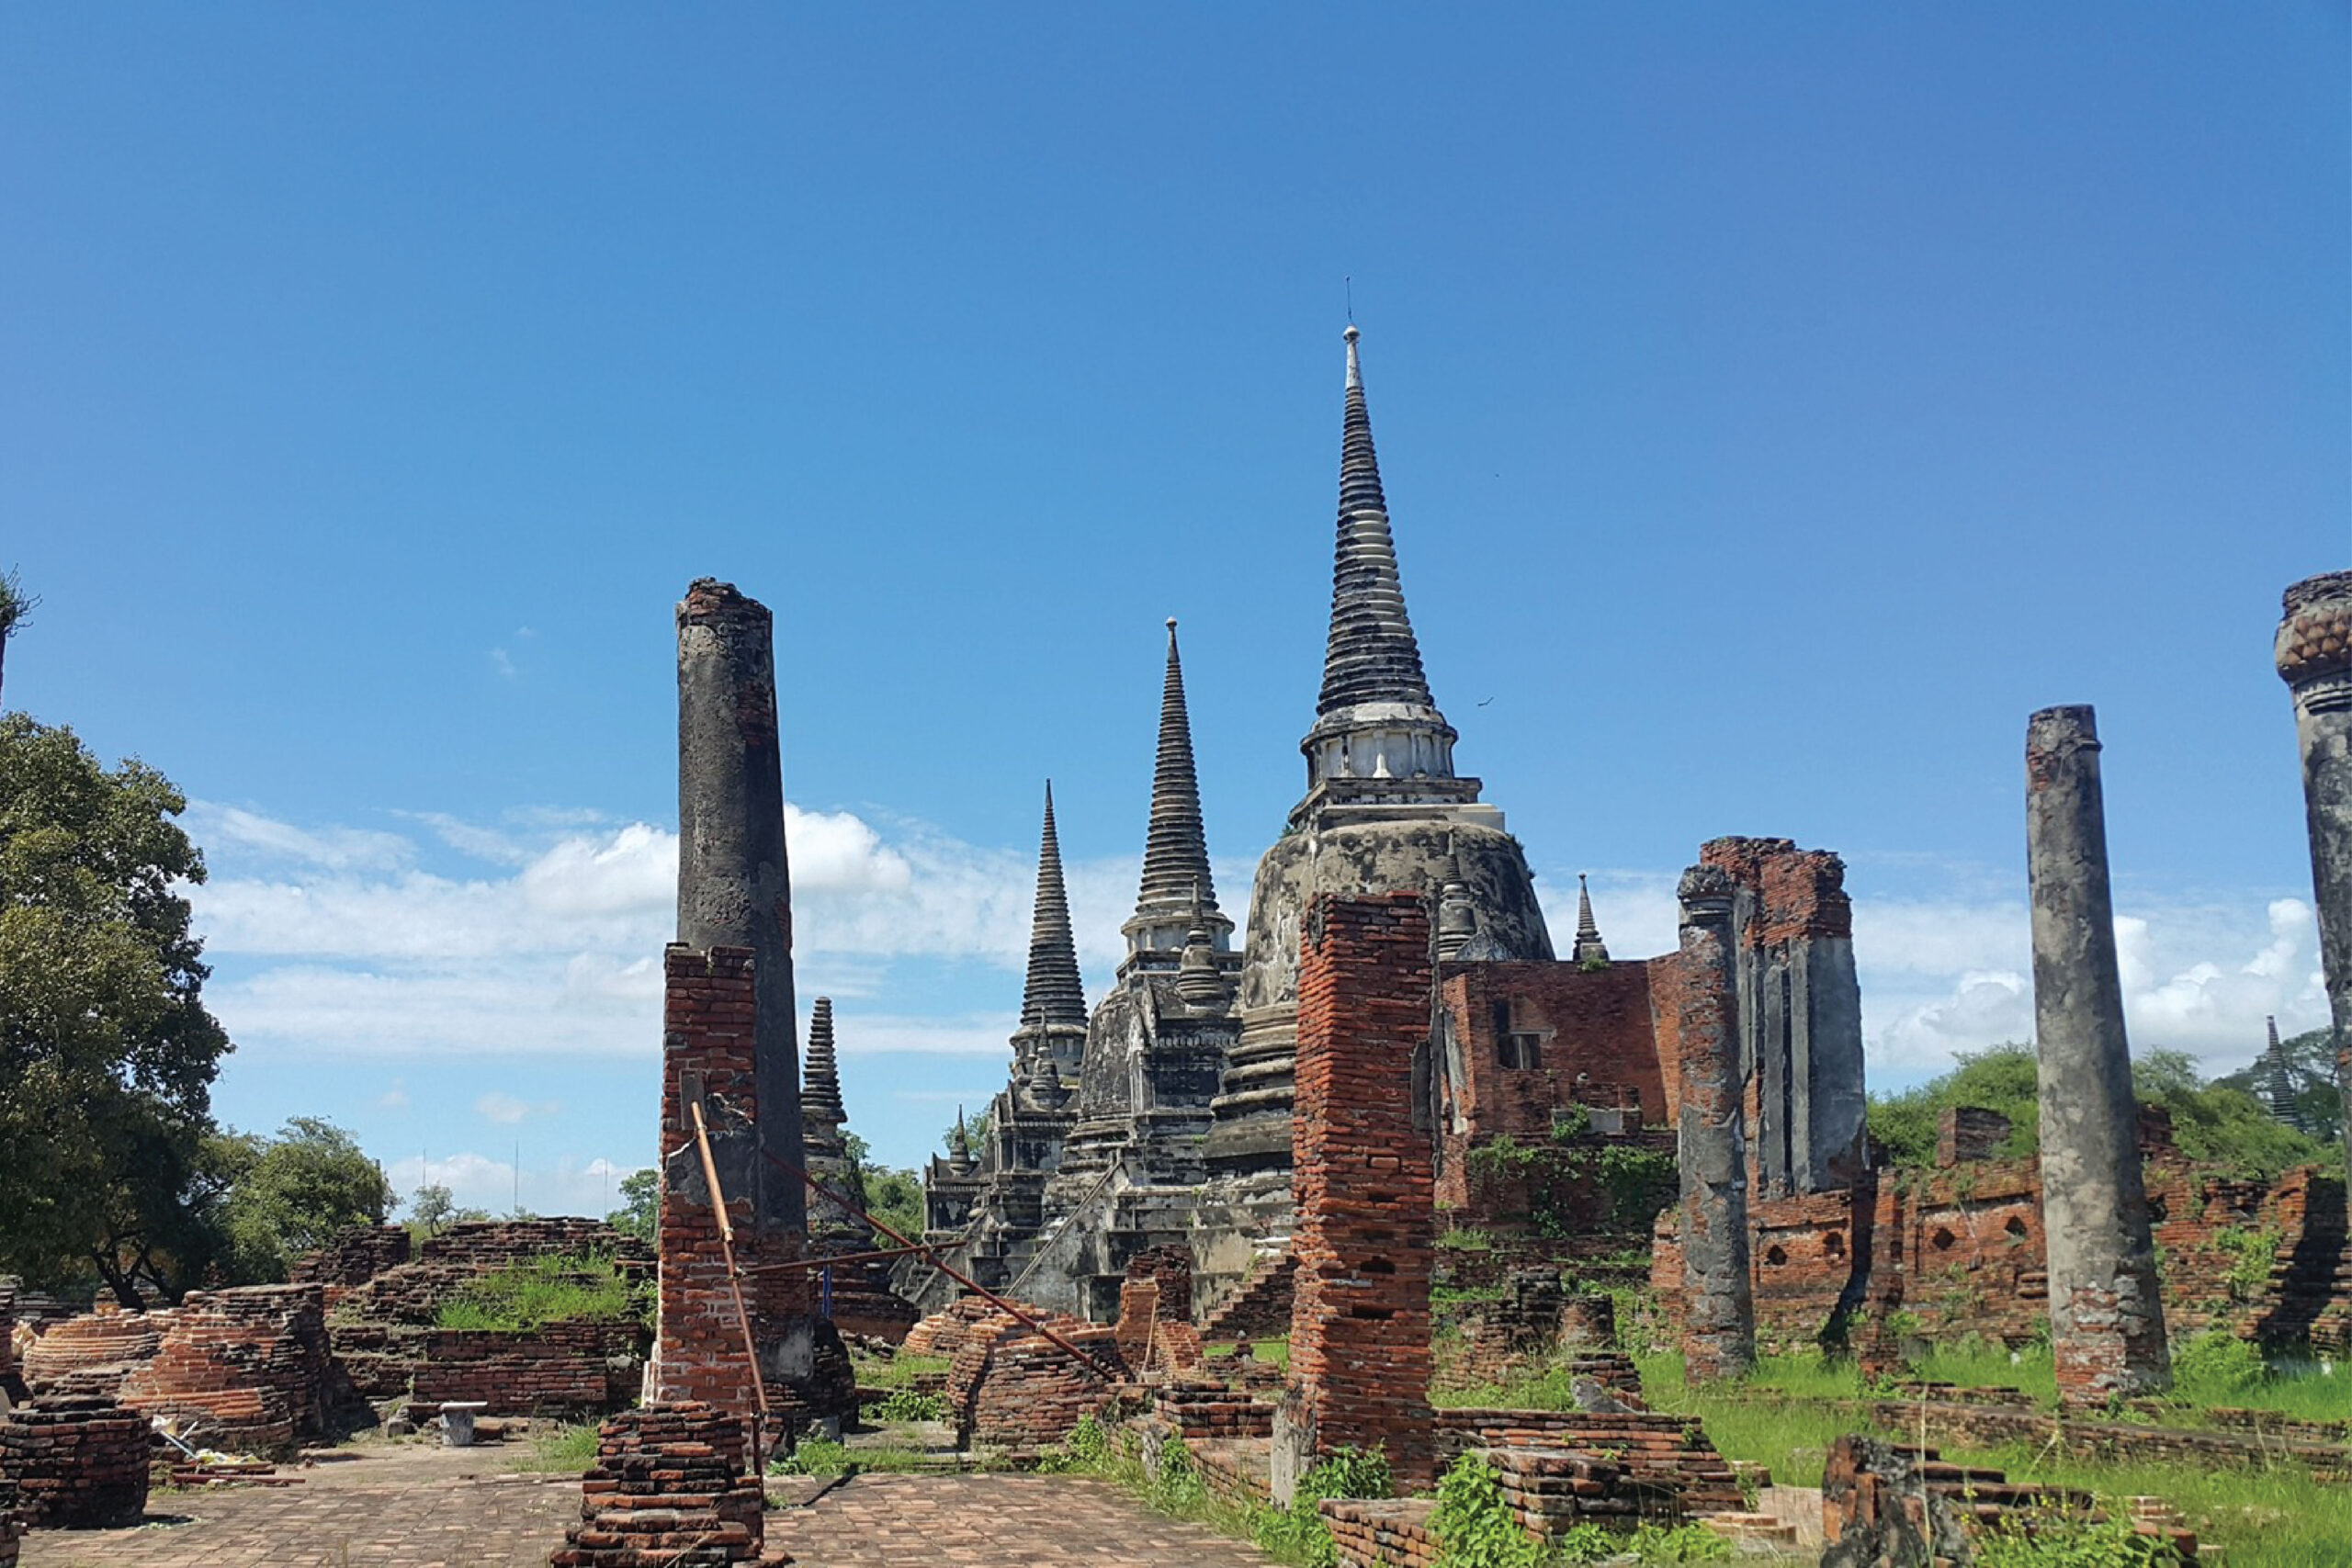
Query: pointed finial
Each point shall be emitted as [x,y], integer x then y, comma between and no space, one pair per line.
[1176,882]
[1589,949]
[1355,366]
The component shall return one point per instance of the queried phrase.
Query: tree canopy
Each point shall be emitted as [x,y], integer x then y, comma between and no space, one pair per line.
[2216,1123]
[289,1195]
[107,1053]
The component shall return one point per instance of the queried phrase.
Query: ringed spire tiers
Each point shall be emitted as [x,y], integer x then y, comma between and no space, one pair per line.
[821,1087]
[1376,719]
[1053,1002]
[1176,883]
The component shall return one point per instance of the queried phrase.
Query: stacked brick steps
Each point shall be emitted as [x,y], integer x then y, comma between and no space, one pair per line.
[1664,1456]
[79,1462]
[1892,1499]
[1551,1491]
[1203,1408]
[1381,1533]
[668,1490]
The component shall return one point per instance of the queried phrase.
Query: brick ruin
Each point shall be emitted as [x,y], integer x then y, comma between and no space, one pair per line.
[1359,1326]
[671,1487]
[1961,1250]
[77,1461]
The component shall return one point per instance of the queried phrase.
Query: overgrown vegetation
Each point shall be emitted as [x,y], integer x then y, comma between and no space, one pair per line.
[1475,1530]
[906,1404]
[1570,1178]
[2220,1122]
[562,1450]
[558,1288]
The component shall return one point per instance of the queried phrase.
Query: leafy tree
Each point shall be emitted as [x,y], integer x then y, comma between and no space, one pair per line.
[296,1192]
[107,1053]
[2000,1078]
[2218,1123]
[892,1196]
[641,1211]
[15,607]
[432,1207]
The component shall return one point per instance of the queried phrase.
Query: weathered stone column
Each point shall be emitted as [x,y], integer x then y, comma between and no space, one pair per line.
[2107,1319]
[734,887]
[1719,1309]
[2314,653]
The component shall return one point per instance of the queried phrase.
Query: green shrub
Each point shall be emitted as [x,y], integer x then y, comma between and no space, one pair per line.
[2071,1543]
[1473,1523]
[906,1404]
[1178,1488]
[1297,1534]
[2216,1366]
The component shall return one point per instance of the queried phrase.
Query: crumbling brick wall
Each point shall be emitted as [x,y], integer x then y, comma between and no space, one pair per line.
[562,1368]
[1960,1249]
[669,1487]
[248,1370]
[381,1329]
[707,1046]
[1530,1044]
[95,1350]
[354,1256]
[1363,1182]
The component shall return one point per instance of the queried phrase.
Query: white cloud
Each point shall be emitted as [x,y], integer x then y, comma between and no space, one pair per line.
[559,951]
[497,1106]
[394,1098]
[264,837]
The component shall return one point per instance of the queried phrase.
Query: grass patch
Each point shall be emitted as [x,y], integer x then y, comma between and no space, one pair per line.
[565,1450]
[2271,1517]
[535,1292]
[896,1371]
[815,1456]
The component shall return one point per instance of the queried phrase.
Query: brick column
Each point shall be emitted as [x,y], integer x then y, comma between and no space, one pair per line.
[2107,1318]
[709,1004]
[1364,1184]
[1718,1305]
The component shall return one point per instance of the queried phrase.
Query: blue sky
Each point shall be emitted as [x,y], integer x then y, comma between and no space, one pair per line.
[1776,405]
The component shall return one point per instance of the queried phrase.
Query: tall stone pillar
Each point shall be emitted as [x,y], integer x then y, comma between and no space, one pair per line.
[1719,1308]
[2107,1320]
[733,887]
[2314,653]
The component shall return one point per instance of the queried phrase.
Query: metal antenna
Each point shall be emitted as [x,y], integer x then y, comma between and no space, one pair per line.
[1350,285]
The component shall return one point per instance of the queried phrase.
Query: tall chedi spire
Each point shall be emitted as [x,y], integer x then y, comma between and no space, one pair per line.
[1176,880]
[821,1086]
[1589,949]
[1376,719]
[1384,810]
[1053,1003]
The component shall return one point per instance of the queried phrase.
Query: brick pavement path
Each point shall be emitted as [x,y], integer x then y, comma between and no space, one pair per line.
[411,1506]
[993,1521]
[383,1507]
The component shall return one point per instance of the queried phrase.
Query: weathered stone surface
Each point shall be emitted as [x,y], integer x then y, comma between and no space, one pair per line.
[734,886]
[2106,1312]
[1719,1323]
[78,1461]
[2313,653]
